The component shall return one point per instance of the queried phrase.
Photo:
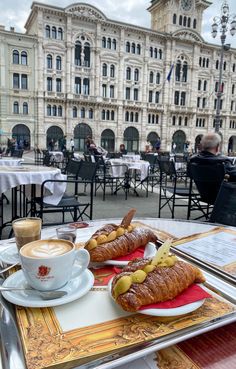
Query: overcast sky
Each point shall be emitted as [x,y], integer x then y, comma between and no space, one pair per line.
[15,13]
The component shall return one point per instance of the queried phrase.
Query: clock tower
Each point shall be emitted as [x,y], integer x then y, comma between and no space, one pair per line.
[172,15]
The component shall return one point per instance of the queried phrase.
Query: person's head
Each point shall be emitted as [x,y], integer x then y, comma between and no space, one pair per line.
[211,142]
[122,147]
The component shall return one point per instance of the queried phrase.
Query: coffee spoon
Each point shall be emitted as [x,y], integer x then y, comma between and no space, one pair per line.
[45,295]
[9,267]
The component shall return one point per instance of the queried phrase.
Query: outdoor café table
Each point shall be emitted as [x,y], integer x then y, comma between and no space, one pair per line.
[54,336]
[4,161]
[140,165]
[30,177]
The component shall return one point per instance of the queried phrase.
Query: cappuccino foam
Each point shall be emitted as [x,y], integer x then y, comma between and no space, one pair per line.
[46,249]
[27,227]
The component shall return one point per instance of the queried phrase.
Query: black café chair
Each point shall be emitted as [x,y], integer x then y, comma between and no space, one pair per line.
[207,179]
[224,209]
[70,202]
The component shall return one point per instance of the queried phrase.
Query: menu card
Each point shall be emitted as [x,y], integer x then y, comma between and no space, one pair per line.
[216,248]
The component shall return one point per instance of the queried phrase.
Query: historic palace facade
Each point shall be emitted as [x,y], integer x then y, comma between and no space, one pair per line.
[77,73]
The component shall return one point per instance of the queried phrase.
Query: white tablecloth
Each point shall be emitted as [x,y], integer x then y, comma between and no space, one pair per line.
[56,156]
[118,167]
[10,161]
[11,177]
[131,157]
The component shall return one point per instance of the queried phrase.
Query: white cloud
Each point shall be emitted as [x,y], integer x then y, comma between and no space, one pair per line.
[15,12]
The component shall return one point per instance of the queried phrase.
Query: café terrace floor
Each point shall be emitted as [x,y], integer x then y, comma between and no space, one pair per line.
[114,206]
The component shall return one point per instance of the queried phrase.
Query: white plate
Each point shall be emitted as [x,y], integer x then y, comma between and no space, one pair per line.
[149,252]
[10,255]
[76,288]
[181,310]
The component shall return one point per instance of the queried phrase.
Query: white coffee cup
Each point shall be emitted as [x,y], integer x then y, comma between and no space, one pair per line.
[50,264]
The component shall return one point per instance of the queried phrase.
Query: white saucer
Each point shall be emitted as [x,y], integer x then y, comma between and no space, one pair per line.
[181,310]
[149,252]
[10,255]
[75,288]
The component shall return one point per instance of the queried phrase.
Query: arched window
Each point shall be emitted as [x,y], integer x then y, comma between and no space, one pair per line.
[203,62]
[205,86]
[149,118]
[173,120]
[16,107]
[131,116]
[138,49]
[185,72]
[157,96]
[24,82]
[87,54]
[47,31]
[217,64]
[54,32]
[54,110]
[186,121]
[59,111]
[128,73]
[136,117]
[25,108]
[200,61]
[103,114]
[185,21]
[174,18]
[75,112]
[90,113]
[108,115]
[109,43]
[151,77]
[77,85]
[233,89]
[58,63]
[194,23]
[104,43]
[24,58]
[126,116]
[199,85]
[153,118]
[77,52]
[114,43]
[15,57]
[180,20]
[189,22]
[207,63]
[234,67]
[104,70]
[160,54]
[157,118]
[58,85]
[224,65]
[112,71]
[112,115]
[151,52]
[86,86]
[177,70]
[133,48]
[158,78]
[49,110]
[155,53]
[82,112]
[49,61]
[136,74]
[60,33]
[127,47]
[180,121]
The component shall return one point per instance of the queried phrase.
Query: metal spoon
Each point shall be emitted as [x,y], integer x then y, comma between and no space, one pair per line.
[9,267]
[45,295]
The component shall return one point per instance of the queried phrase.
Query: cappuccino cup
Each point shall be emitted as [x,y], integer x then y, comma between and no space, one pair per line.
[26,230]
[50,264]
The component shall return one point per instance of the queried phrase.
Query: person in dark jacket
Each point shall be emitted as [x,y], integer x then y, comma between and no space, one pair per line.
[210,154]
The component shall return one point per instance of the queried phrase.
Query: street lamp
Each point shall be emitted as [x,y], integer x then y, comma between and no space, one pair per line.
[222,21]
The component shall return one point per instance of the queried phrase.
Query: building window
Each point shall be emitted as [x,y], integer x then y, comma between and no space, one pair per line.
[128,47]
[150,96]
[128,73]
[185,121]
[112,91]
[25,108]
[185,72]
[136,117]
[49,110]
[49,61]
[108,115]
[112,115]
[114,44]
[78,85]
[82,113]
[109,43]
[104,90]
[158,78]
[24,58]
[91,113]
[185,21]
[135,94]
[133,48]
[104,70]
[24,82]
[58,63]
[131,116]
[194,23]
[183,98]
[180,20]
[112,71]
[54,110]
[16,107]
[205,86]
[234,67]
[203,102]
[103,114]
[198,102]
[180,121]
[199,84]
[104,42]
[151,52]
[189,22]
[136,74]
[59,111]
[15,57]
[49,84]
[78,53]
[157,96]
[87,54]
[151,77]
[177,70]
[60,33]
[86,86]
[126,116]
[54,32]
[16,80]
[75,112]
[233,89]
[138,49]
[176,99]
[173,120]
[47,31]
[174,18]
[58,85]
[127,93]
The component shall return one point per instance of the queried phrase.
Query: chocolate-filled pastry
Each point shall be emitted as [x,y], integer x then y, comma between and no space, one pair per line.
[142,283]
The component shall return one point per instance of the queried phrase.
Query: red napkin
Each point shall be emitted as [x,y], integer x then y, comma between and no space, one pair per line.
[192,294]
[138,253]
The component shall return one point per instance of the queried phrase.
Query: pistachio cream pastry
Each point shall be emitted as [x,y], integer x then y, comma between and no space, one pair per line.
[112,240]
[148,281]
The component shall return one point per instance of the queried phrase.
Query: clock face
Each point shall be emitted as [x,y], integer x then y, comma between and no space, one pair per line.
[186,4]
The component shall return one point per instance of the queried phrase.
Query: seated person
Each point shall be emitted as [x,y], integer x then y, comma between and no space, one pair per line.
[210,154]
[148,149]
[122,150]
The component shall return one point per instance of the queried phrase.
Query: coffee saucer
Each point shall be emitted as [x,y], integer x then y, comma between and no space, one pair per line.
[76,288]
[10,255]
